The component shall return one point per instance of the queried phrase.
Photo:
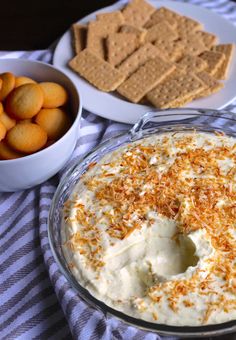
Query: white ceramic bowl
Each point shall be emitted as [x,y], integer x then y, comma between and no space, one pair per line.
[28,171]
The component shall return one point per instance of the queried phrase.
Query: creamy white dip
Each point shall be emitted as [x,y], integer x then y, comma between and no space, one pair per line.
[150,230]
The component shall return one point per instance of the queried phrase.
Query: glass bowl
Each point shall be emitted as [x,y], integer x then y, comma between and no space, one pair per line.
[154,122]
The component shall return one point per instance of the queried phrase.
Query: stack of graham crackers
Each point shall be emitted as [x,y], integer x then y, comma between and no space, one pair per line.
[150,55]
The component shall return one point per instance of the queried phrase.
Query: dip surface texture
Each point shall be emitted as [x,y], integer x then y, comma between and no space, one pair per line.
[151,229]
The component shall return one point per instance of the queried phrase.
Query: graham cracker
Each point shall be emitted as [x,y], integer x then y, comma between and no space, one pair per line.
[136,42]
[171,51]
[178,73]
[175,91]
[161,32]
[144,101]
[191,45]
[97,33]
[214,60]
[208,39]
[178,22]
[227,50]
[138,58]
[163,14]
[120,46]
[183,101]
[145,78]
[140,32]
[97,71]
[137,12]
[80,36]
[115,17]
[187,25]
[193,64]
[212,85]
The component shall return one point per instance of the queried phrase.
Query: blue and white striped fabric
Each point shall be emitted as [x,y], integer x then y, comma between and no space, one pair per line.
[29,276]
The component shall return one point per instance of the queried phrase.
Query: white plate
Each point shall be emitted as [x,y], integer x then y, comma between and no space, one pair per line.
[111,106]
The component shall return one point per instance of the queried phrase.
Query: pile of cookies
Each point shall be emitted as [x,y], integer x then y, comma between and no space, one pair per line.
[150,55]
[32,115]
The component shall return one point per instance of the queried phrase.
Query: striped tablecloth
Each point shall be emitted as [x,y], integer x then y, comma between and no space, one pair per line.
[36,302]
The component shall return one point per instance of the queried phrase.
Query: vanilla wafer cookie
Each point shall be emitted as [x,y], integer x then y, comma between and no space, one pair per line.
[145,78]
[120,46]
[97,71]
[138,58]
[24,101]
[22,80]
[214,60]
[3,131]
[137,12]
[175,91]
[8,84]
[227,50]
[7,121]
[7,153]
[26,138]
